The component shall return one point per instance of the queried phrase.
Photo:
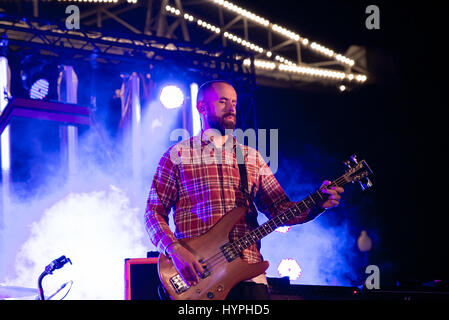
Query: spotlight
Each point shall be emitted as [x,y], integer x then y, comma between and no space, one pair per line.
[39,89]
[289,268]
[171,97]
[39,77]
[196,121]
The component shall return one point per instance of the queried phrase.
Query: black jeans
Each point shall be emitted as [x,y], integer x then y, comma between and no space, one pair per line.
[249,291]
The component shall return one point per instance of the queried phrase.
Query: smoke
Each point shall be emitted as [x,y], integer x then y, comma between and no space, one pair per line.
[324,253]
[325,248]
[97,231]
[94,217]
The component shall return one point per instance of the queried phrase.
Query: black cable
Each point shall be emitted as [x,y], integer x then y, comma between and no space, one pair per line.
[39,285]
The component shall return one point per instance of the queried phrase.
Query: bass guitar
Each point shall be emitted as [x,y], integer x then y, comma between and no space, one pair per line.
[223,265]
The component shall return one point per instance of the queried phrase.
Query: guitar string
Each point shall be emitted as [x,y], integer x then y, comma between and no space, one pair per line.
[219,257]
[302,206]
[216,259]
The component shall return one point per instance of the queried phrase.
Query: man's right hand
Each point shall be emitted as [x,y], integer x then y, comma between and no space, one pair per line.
[186,263]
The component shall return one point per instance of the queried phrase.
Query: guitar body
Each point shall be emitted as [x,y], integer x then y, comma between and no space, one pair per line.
[222,276]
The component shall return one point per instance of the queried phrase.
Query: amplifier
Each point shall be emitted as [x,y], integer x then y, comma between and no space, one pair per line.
[142,279]
[281,289]
[142,283]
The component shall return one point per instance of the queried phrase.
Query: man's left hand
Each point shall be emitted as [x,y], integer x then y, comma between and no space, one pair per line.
[334,195]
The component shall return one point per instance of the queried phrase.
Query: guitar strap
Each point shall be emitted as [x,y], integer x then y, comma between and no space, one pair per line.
[251,216]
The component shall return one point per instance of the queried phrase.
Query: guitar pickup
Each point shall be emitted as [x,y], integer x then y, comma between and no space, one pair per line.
[229,252]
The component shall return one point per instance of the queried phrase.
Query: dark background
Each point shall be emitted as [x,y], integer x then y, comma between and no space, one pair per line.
[397,121]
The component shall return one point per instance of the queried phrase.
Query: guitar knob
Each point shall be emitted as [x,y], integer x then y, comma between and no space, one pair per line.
[210,295]
[353,158]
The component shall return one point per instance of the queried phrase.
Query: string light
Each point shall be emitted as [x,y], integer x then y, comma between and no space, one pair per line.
[173,10]
[188,17]
[253,17]
[97,1]
[317,47]
[284,64]
[285,32]
[284,60]
[304,70]
[191,18]
[208,26]
[261,64]
[345,60]
[243,42]
[245,13]
[316,72]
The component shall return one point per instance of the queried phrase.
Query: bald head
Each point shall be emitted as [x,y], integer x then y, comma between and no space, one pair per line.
[216,103]
[207,86]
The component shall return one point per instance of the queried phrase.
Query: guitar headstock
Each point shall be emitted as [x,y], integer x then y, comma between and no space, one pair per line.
[358,171]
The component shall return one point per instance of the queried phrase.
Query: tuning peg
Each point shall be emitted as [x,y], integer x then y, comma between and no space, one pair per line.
[353,158]
[348,164]
[366,184]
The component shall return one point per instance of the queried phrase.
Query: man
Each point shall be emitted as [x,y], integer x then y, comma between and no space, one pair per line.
[201,190]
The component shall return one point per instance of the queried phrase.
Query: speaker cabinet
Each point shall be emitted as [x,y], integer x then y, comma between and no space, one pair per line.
[141,279]
[281,289]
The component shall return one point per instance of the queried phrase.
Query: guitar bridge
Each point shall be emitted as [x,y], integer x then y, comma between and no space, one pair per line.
[178,284]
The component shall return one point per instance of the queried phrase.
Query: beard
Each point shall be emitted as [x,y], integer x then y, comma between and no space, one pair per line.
[221,123]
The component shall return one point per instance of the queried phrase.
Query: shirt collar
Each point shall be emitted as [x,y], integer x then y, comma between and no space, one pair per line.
[206,137]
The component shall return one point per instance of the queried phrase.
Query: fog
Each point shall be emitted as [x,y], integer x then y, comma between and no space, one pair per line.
[95,218]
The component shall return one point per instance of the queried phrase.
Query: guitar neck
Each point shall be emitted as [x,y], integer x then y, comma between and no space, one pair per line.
[281,219]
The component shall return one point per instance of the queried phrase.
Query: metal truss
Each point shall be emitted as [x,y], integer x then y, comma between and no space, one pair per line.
[211,34]
[106,47]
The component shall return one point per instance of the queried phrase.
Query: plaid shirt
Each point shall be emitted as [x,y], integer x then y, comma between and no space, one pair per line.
[191,179]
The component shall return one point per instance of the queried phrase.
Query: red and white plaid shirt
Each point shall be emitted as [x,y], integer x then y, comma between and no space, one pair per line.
[201,190]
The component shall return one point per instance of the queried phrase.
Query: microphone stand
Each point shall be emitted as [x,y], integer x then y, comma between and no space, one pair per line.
[55,264]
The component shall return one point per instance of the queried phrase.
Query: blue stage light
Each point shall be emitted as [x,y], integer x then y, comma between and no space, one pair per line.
[196,120]
[289,268]
[171,97]
[39,89]
[283,229]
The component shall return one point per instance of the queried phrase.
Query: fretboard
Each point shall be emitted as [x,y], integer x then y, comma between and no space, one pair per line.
[236,247]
